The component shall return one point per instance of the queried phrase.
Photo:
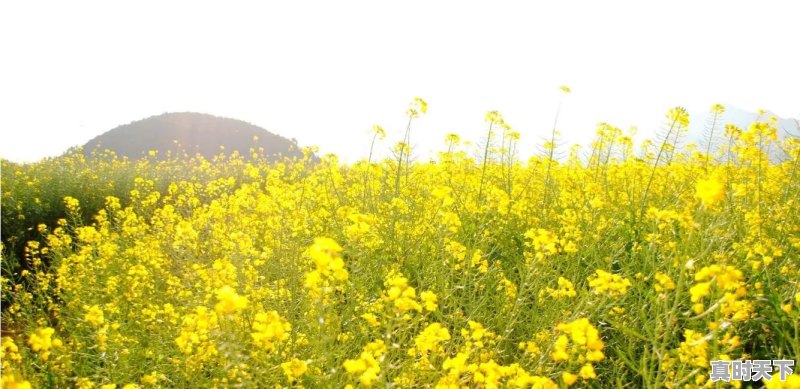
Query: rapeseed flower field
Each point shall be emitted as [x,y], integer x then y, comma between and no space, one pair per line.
[618,265]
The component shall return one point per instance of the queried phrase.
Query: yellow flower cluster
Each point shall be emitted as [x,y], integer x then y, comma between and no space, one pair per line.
[294,369]
[580,337]
[429,300]
[367,366]
[9,358]
[474,366]
[9,352]
[329,267]
[42,342]
[401,296]
[679,116]
[10,380]
[727,280]
[792,382]
[694,349]
[612,285]
[229,301]
[270,328]
[710,191]
[544,243]
[362,229]
[429,339]
[663,283]
[579,343]
[196,336]
[565,289]
[94,315]
[459,253]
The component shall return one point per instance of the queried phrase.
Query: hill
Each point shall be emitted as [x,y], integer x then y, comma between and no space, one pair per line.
[701,123]
[191,133]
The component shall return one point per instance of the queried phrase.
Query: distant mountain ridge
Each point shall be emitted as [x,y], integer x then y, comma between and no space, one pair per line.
[742,119]
[700,123]
[190,132]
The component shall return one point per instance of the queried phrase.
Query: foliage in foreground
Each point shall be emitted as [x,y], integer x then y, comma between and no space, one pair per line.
[624,269]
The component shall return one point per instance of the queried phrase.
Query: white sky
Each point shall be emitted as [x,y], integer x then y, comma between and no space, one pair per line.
[325,72]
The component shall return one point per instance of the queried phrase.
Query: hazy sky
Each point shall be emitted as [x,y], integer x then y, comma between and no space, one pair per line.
[325,72]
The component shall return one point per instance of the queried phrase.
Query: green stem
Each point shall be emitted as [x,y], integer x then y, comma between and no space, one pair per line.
[655,166]
[485,160]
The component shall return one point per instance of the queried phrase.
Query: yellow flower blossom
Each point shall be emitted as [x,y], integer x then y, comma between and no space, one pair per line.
[679,116]
[428,340]
[613,285]
[587,372]
[94,315]
[569,378]
[402,296]
[710,191]
[11,380]
[367,366]
[269,328]
[329,269]
[229,301]
[580,339]
[9,353]
[429,300]
[663,283]
[792,382]
[694,349]
[565,289]
[42,341]
[371,319]
[294,369]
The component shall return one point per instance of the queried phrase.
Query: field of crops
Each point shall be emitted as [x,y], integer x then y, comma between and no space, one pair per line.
[615,265]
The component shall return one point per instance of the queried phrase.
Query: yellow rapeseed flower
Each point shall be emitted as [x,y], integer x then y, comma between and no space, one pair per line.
[371,319]
[429,300]
[663,283]
[679,115]
[565,289]
[42,341]
[229,301]
[367,366]
[710,191]
[568,378]
[9,352]
[792,382]
[587,372]
[613,285]
[294,369]
[269,328]
[94,315]
[11,380]
[428,340]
